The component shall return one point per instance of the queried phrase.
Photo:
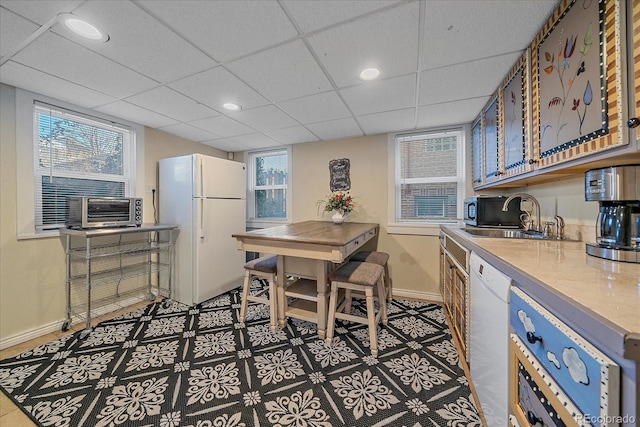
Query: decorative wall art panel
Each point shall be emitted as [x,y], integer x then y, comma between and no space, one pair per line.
[339,175]
[516,121]
[576,81]
[476,151]
[491,152]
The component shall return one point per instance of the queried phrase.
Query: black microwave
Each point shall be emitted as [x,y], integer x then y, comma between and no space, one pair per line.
[486,211]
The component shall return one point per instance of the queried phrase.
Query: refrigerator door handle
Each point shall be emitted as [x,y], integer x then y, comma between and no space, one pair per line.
[202,193]
[201,218]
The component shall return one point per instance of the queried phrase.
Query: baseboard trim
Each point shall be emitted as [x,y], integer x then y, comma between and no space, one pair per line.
[56,326]
[423,296]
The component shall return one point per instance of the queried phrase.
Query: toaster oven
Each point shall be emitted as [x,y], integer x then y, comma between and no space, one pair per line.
[102,212]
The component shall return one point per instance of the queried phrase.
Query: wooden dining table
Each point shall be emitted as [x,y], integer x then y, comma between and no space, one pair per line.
[308,251]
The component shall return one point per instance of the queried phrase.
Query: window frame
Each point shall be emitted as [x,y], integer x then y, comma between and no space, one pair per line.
[250,156]
[26,158]
[429,227]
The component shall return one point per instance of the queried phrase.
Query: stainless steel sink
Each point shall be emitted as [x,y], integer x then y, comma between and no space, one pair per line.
[506,233]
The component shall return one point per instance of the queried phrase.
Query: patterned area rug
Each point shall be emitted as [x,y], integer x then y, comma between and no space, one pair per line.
[170,365]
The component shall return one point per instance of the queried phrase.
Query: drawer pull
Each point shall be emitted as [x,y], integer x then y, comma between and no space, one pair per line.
[357,242]
[532,338]
[533,420]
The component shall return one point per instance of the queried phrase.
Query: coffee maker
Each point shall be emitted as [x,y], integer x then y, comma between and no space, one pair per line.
[617,189]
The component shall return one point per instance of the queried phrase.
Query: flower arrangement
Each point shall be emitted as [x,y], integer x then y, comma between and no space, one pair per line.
[338,201]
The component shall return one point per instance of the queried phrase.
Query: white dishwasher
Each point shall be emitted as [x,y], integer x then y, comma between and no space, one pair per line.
[489,347]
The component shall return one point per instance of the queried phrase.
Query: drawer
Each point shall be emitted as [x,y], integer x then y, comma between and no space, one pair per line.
[355,244]
[536,399]
[586,375]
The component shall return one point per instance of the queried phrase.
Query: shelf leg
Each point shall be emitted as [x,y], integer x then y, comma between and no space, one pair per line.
[88,284]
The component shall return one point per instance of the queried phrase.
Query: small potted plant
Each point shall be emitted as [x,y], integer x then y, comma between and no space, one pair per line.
[340,203]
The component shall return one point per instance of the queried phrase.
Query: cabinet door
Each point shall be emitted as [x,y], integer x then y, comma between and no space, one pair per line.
[491,151]
[515,135]
[576,82]
[477,152]
[634,115]
[460,289]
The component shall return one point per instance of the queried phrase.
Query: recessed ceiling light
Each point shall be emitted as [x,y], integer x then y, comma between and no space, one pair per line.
[369,74]
[231,107]
[82,28]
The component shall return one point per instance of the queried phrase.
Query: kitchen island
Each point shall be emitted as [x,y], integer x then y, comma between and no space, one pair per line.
[599,299]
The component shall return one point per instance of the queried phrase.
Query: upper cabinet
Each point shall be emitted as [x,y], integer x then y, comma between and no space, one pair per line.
[577,79]
[566,102]
[515,133]
[634,115]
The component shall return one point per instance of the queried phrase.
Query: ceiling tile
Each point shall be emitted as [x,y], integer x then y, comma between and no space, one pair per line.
[292,135]
[450,112]
[226,29]
[284,72]
[223,126]
[18,75]
[72,62]
[136,114]
[506,26]
[384,95]
[254,141]
[316,108]
[386,40]
[170,103]
[313,15]
[389,121]
[335,129]
[189,132]
[264,118]
[484,79]
[216,86]
[41,11]
[140,42]
[13,30]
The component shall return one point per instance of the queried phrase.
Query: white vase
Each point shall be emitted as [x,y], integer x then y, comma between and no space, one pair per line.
[338,217]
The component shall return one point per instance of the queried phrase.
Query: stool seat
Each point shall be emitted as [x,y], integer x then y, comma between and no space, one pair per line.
[380,258]
[265,267]
[265,264]
[360,273]
[360,277]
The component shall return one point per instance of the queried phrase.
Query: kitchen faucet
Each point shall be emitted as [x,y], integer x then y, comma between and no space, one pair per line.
[505,207]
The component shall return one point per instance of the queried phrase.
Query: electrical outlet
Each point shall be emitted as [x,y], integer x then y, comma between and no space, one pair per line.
[150,188]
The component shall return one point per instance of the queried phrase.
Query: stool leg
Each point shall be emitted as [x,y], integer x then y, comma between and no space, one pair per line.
[273,303]
[245,295]
[371,316]
[382,300]
[387,283]
[331,320]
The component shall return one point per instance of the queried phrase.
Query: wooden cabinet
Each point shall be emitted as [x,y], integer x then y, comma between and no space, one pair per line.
[634,69]
[454,277]
[557,376]
[566,105]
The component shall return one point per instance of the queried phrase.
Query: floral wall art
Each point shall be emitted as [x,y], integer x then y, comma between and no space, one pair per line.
[572,78]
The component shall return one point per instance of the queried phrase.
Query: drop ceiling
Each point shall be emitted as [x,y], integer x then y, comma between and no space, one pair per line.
[291,64]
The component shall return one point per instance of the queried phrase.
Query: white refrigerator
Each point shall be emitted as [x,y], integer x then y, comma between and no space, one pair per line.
[206,197]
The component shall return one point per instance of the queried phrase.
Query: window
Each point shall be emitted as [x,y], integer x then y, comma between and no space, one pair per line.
[268,185]
[76,155]
[428,177]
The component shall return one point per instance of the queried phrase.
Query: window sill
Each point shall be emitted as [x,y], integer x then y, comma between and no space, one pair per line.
[266,223]
[417,229]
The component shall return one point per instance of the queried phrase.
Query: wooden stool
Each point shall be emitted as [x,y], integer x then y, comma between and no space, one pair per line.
[362,277]
[266,268]
[380,258]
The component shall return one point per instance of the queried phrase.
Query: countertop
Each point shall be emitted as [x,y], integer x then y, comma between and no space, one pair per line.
[596,296]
